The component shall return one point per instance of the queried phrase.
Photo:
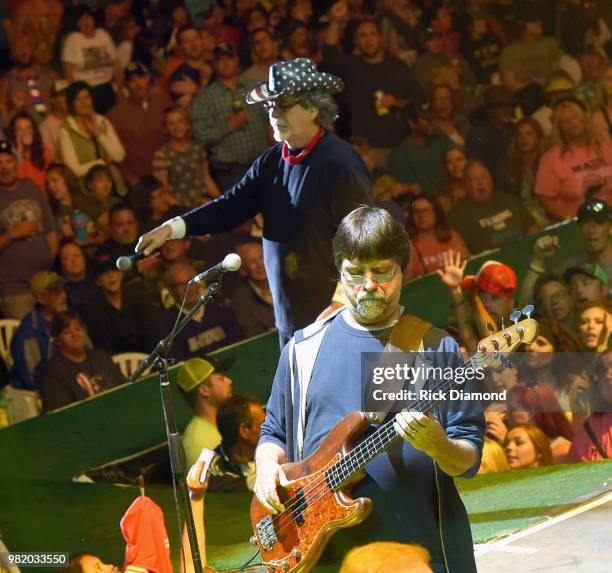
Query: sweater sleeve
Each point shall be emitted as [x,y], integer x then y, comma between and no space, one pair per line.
[234,207]
[274,428]
[462,419]
[110,141]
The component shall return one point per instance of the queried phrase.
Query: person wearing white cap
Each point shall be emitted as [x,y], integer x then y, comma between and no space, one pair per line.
[303,187]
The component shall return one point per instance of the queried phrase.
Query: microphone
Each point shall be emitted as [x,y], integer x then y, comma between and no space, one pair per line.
[126,263]
[231,262]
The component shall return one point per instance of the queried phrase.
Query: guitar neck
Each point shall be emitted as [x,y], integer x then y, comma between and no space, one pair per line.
[376,443]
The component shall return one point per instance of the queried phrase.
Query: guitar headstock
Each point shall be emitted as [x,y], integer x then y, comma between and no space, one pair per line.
[496,346]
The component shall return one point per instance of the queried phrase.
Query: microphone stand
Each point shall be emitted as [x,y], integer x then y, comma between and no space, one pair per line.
[158,359]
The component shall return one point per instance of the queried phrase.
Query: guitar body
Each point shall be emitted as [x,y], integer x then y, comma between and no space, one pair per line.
[292,541]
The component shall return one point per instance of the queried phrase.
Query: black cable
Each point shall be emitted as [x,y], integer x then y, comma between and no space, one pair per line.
[250,560]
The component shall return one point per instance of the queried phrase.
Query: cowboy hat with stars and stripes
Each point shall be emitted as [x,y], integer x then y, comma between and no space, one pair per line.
[294,77]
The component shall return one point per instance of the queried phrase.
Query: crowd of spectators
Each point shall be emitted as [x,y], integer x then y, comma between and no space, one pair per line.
[480,122]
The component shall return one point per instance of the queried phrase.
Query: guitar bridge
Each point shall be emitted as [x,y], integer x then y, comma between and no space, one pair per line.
[266,533]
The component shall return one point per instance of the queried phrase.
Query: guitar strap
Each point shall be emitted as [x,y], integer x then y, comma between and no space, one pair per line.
[596,442]
[407,336]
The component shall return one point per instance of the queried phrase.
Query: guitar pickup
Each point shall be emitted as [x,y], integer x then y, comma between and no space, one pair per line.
[300,506]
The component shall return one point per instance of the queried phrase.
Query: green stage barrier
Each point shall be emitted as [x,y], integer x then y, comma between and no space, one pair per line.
[42,508]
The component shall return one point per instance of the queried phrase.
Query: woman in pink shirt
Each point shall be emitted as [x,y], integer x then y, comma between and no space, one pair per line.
[574,165]
[431,237]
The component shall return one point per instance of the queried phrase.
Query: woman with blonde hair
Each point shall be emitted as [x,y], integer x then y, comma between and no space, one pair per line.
[575,165]
[493,457]
[602,116]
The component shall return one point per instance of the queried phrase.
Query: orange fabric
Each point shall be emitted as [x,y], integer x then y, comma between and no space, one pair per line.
[171,66]
[144,530]
[26,170]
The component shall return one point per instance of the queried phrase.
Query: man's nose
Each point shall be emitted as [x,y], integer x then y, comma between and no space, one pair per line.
[370,283]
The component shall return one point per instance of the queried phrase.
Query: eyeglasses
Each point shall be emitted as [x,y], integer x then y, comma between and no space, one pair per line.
[282,105]
[595,206]
[379,278]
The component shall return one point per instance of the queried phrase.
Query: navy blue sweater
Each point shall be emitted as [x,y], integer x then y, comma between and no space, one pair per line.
[302,206]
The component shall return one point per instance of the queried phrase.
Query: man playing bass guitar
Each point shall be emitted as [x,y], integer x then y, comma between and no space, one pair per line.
[319,381]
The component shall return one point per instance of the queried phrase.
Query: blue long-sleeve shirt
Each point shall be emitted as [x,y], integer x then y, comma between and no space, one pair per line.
[405,485]
[302,206]
[30,350]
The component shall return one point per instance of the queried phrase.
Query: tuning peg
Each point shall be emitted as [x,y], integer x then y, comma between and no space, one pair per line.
[508,338]
[515,316]
[527,310]
[490,328]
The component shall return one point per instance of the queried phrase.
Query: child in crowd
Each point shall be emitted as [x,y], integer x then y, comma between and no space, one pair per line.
[63,190]
[182,165]
[99,196]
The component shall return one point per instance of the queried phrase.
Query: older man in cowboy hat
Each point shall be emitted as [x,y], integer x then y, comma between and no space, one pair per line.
[303,186]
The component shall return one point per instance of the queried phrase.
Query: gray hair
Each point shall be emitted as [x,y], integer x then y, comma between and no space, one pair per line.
[324,103]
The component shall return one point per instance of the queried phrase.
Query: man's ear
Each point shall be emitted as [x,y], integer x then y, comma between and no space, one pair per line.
[243,430]
[203,391]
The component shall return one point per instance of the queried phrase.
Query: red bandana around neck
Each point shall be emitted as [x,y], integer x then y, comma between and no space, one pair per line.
[297,159]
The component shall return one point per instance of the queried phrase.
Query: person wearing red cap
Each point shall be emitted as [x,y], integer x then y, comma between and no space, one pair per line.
[491,294]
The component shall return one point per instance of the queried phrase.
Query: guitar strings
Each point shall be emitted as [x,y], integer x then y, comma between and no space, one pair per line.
[322,482]
[284,520]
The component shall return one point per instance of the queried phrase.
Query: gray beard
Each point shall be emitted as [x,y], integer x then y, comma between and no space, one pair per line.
[370,308]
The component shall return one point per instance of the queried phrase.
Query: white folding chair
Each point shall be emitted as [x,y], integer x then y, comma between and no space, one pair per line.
[129,361]
[7,329]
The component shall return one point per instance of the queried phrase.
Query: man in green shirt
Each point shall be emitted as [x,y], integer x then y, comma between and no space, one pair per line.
[204,388]
[418,159]
[487,219]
